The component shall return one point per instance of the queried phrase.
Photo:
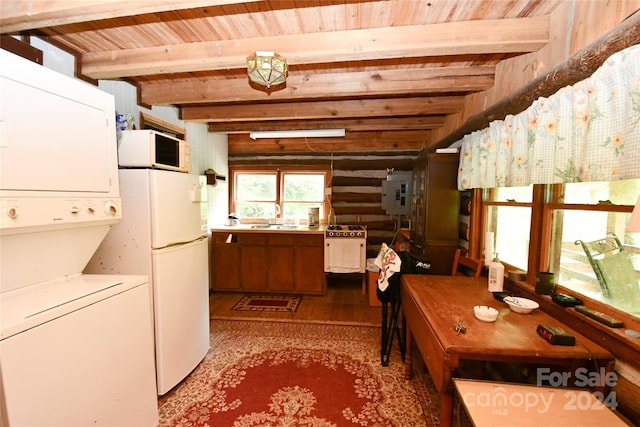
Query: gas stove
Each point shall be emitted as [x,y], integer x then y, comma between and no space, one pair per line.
[346,231]
[345,249]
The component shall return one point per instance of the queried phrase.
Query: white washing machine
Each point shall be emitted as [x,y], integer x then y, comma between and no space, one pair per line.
[78,352]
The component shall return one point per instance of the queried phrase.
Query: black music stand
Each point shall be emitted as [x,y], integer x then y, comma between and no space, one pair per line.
[391,304]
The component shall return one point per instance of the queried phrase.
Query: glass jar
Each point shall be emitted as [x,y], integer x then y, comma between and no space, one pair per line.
[331,219]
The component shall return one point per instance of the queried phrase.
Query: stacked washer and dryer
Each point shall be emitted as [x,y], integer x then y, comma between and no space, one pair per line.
[75,349]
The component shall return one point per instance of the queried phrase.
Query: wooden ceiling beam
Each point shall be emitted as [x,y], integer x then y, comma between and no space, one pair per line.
[344,161]
[362,124]
[27,15]
[418,106]
[308,85]
[352,142]
[453,38]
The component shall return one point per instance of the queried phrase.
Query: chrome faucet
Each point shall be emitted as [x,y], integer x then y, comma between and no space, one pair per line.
[277,210]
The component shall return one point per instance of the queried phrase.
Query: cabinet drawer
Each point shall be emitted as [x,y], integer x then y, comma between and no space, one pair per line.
[281,239]
[223,238]
[252,239]
[309,240]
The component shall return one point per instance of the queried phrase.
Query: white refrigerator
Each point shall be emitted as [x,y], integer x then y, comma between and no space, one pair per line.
[163,235]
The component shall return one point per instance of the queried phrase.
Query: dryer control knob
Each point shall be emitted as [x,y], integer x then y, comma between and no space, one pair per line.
[12,212]
[110,208]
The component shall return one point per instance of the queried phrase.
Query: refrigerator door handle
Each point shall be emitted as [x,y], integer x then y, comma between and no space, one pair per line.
[199,239]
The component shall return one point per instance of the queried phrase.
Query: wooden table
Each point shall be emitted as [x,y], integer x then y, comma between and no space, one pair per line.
[493,404]
[432,305]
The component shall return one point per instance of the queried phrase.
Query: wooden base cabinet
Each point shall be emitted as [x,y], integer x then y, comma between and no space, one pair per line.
[253,261]
[280,266]
[309,264]
[268,262]
[225,274]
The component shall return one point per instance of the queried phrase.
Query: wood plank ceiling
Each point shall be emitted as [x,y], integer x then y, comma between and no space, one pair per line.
[389,72]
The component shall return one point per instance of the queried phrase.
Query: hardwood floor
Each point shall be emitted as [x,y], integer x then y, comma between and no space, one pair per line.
[343,302]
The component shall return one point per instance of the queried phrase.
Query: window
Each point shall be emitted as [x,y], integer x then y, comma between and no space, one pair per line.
[589,212]
[255,195]
[282,194]
[300,192]
[571,212]
[509,218]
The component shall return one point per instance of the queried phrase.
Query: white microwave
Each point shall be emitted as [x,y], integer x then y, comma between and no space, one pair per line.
[148,148]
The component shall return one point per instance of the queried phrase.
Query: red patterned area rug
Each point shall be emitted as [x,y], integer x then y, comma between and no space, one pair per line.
[268,303]
[264,373]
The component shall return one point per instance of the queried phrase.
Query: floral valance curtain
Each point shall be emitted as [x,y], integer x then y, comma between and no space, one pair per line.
[586,132]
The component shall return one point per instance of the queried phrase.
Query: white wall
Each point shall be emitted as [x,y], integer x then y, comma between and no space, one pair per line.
[208,151]
[55,58]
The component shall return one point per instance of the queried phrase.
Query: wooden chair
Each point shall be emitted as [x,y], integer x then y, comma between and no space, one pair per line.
[465,266]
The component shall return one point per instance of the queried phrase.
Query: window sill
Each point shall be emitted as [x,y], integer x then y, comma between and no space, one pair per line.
[613,339]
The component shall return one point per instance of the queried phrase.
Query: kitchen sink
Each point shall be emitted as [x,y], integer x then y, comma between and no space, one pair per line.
[275,226]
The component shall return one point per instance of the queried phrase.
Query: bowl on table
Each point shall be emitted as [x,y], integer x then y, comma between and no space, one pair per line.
[485,313]
[521,305]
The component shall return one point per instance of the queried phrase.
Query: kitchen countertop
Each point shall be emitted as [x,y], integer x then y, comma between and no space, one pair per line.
[247,228]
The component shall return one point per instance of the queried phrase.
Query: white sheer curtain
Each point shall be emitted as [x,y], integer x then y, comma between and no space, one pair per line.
[586,132]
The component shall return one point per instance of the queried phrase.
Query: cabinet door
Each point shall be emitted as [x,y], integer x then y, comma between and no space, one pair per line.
[226,262]
[442,198]
[309,264]
[435,215]
[253,261]
[280,263]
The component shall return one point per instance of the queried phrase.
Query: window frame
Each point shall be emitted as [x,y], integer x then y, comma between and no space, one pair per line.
[554,196]
[545,201]
[279,171]
[487,202]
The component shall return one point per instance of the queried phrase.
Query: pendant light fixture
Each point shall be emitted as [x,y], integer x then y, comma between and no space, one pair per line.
[267,68]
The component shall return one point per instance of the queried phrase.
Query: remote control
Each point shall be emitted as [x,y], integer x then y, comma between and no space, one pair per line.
[566,300]
[600,316]
[500,296]
[556,335]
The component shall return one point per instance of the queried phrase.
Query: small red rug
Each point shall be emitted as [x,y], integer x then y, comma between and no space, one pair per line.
[268,303]
[269,373]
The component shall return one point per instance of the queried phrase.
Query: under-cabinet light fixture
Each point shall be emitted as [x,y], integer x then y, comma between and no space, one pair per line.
[302,133]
